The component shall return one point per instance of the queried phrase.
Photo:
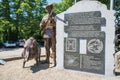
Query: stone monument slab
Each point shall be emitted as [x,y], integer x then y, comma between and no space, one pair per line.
[82,14]
[85,20]
[93,63]
[85,40]
[82,28]
[84,31]
[86,34]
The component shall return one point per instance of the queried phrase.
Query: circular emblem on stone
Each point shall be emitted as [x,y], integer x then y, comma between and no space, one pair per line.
[95,46]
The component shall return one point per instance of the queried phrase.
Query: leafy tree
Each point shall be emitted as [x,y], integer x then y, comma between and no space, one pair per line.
[21,18]
[106,2]
[32,13]
[117,8]
[5,16]
[64,5]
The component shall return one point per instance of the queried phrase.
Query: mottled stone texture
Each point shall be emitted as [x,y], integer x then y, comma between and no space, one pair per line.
[85,26]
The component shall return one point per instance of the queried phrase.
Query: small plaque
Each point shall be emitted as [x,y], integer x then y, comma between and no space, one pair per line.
[82,28]
[93,63]
[85,34]
[83,21]
[83,46]
[78,15]
[95,46]
[71,44]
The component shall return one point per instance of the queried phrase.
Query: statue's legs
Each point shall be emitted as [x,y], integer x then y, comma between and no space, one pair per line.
[47,47]
[54,50]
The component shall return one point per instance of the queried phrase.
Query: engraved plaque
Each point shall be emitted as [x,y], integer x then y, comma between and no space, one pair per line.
[82,14]
[71,45]
[84,49]
[82,21]
[95,46]
[82,28]
[93,63]
[93,17]
[86,34]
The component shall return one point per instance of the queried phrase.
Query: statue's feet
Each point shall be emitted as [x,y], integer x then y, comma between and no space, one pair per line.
[54,65]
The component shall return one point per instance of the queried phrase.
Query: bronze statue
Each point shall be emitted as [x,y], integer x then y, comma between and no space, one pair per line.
[48,26]
[31,51]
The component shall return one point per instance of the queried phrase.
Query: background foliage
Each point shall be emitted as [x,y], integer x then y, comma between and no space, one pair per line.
[20,18]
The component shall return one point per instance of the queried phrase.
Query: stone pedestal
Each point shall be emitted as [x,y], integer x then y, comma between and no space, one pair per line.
[86,41]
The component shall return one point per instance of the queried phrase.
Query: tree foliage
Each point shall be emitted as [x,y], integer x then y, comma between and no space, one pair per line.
[64,5]
[21,18]
[117,8]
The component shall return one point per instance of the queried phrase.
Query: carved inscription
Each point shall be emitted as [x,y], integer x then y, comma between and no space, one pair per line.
[85,44]
[95,46]
[93,63]
[71,44]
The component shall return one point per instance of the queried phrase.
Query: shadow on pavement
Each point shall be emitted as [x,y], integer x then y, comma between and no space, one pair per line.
[37,67]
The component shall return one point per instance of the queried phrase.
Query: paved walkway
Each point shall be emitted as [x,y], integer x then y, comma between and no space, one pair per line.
[14,53]
[43,72]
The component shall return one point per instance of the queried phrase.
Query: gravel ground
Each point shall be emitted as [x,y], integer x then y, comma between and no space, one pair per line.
[13,70]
